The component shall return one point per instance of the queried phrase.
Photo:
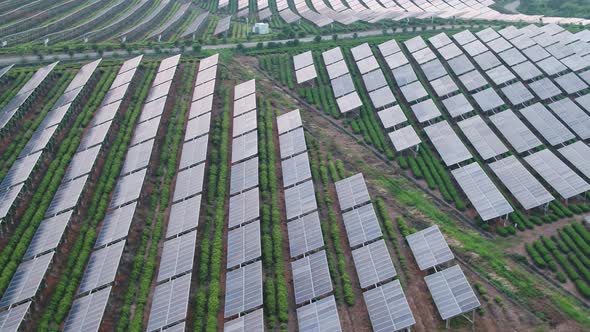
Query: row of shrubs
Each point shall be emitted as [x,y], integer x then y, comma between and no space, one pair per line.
[65,291]
[570,250]
[22,235]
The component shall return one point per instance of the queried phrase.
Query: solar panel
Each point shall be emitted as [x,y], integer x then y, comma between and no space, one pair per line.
[450,51]
[210,61]
[510,32]
[292,143]
[20,171]
[517,93]
[189,182]
[295,170]
[451,292]
[374,80]
[184,216]
[204,90]
[115,225]
[202,106]
[573,116]
[389,47]
[123,78]
[547,124]
[373,264]
[388,308]
[138,157]
[576,62]
[474,48]
[305,234]
[300,199]
[245,123]
[3,71]
[544,88]
[158,91]
[164,76]
[560,50]
[460,65]
[145,131]
[368,64]
[243,244]
[413,92]
[302,60]
[48,235]
[243,289]
[194,152]
[515,131]
[252,322]
[425,111]
[499,45]
[244,207]
[473,80]
[578,155]
[464,37]
[557,174]
[487,60]
[26,280]
[342,85]
[523,42]
[571,83]
[152,110]
[11,319]
[94,136]
[423,56]
[101,267]
[487,35]
[197,127]
[481,192]
[361,225]
[440,40]
[392,116]
[529,192]
[527,71]
[67,196]
[382,97]
[206,75]
[222,25]
[244,176]
[536,53]
[244,147]
[512,57]
[584,101]
[352,191]
[311,277]
[488,99]
[337,69]
[105,113]
[7,198]
[177,256]
[87,311]
[130,64]
[444,86]
[55,116]
[404,75]
[447,143]
[457,105]
[433,70]
[396,60]
[429,248]
[128,189]
[551,66]
[333,55]
[415,44]
[169,63]
[289,121]
[170,303]
[500,75]
[349,102]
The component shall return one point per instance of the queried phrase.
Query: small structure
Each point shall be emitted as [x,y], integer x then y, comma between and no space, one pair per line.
[260,28]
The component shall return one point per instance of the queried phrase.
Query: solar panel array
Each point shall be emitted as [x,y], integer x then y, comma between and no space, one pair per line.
[451,292]
[223,25]
[578,155]
[27,161]
[344,91]
[304,67]
[253,321]
[373,264]
[86,312]
[388,308]
[321,315]
[169,307]
[376,85]
[244,277]
[429,247]
[21,98]
[11,319]
[102,267]
[311,277]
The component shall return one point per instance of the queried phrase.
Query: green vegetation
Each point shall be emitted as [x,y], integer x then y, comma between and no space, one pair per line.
[570,8]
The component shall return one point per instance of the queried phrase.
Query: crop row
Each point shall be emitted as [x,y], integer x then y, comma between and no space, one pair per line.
[60,301]
[12,254]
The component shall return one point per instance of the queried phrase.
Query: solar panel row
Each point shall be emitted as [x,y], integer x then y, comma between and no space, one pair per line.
[346,96]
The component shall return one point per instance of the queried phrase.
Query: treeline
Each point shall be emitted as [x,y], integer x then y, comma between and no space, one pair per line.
[14,251]
[65,291]
[566,254]
[280,66]
[330,228]
[207,302]
[276,293]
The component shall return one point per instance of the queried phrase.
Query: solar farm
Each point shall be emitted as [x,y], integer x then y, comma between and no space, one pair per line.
[432,178]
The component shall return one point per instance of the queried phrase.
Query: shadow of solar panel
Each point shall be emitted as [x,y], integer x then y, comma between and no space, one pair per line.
[429,247]
[361,225]
[26,280]
[404,138]
[392,116]
[447,143]
[189,182]
[311,277]
[451,292]
[300,199]
[48,235]
[87,311]
[319,316]
[243,244]
[244,176]
[546,124]
[102,267]
[305,234]
[244,207]
[145,131]
[244,123]
[128,189]
[515,131]
[184,216]
[557,174]
[373,264]
[487,144]
[177,256]
[292,143]
[289,121]
[244,147]
[295,170]
[243,289]
[116,225]
[170,303]
[352,191]
[529,192]
[67,196]
[388,308]
[11,319]
[481,192]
